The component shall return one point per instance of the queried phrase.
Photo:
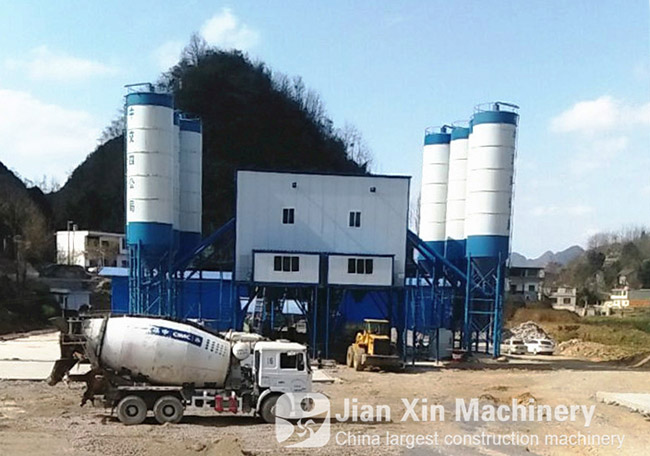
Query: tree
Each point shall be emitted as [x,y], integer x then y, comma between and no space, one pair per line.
[355,146]
[195,50]
[644,274]
[25,227]
[114,130]
[630,253]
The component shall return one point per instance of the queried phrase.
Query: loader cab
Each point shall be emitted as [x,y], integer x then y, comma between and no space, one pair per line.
[282,367]
[377,327]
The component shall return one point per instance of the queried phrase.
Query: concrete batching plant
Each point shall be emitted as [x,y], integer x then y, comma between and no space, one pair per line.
[334,248]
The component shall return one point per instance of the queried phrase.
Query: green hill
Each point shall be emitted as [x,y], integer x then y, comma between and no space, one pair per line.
[250,120]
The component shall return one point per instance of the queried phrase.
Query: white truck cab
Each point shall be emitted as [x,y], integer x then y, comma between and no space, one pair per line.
[282,367]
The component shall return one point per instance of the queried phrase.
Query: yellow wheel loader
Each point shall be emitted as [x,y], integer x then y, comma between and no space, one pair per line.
[373,347]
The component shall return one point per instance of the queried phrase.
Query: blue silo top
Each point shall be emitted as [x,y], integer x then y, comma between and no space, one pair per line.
[484,117]
[150,98]
[459,133]
[436,138]
[191,125]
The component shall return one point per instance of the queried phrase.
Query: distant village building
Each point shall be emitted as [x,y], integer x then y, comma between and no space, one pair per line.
[525,281]
[91,249]
[562,298]
[622,298]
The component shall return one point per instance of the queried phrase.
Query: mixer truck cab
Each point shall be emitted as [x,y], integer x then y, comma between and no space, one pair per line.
[282,367]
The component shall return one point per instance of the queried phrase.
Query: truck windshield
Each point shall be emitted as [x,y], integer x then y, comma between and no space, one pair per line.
[292,361]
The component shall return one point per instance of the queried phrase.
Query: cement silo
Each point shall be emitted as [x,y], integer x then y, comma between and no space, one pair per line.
[176,176]
[456,194]
[490,168]
[433,197]
[149,173]
[191,152]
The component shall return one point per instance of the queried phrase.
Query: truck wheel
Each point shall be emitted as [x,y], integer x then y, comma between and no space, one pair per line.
[267,410]
[168,409]
[358,365]
[349,359]
[132,410]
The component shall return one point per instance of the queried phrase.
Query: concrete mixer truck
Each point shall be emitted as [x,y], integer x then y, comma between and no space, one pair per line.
[143,364]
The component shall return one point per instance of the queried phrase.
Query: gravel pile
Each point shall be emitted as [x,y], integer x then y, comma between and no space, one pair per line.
[526,331]
[593,351]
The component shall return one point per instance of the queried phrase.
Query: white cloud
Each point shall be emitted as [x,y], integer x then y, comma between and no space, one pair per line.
[42,64]
[598,153]
[223,30]
[37,138]
[602,114]
[568,210]
[168,54]
[226,31]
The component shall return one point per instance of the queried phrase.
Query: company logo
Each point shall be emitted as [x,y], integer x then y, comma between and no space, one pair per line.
[177,335]
[302,420]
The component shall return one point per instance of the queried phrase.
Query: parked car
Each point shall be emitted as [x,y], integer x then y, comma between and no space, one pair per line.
[513,347]
[540,346]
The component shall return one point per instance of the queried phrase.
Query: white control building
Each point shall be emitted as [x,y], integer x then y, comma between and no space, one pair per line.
[321,229]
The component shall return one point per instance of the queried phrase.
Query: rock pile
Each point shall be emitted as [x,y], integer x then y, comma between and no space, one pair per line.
[526,331]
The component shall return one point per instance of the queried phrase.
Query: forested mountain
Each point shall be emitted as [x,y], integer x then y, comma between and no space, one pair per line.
[252,119]
[560,258]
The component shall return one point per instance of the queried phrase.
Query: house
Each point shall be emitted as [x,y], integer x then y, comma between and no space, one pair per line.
[91,249]
[622,298]
[525,281]
[562,298]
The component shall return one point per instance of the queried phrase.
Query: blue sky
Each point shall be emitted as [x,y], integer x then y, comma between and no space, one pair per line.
[580,71]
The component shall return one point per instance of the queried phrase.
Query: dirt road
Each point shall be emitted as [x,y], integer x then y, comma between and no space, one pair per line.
[36,419]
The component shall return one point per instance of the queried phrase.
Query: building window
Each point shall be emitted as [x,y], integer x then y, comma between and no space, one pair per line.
[288,214]
[360,266]
[286,263]
[531,287]
[355,219]
[567,300]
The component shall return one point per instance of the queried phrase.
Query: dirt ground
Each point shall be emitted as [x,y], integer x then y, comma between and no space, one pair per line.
[36,419]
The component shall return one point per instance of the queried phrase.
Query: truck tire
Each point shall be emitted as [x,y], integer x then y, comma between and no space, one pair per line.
[267,410]
[131,410]
[349,359]
[358,354]
[168,409]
